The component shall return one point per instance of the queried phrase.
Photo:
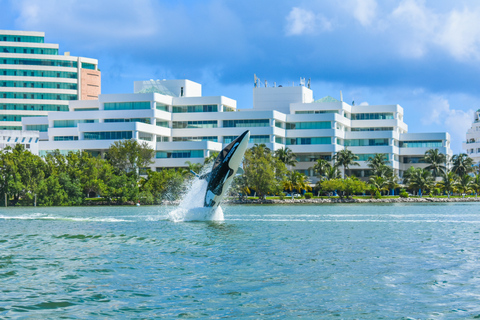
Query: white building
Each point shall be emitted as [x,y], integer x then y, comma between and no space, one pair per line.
[181,125]
[36,79]
[29,139]
[472,144]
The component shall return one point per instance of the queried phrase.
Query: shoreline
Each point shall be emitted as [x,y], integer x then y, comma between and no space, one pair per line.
[338,200]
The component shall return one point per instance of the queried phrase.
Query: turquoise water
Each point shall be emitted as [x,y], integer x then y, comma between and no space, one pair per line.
[403,261]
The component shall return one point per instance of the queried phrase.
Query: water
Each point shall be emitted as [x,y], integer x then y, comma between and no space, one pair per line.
[403,261]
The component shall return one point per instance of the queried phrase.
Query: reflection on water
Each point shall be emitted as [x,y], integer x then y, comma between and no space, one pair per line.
[312,261]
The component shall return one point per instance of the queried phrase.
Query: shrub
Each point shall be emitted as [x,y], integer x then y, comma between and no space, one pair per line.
[377,195]
[308,195]
[403,193]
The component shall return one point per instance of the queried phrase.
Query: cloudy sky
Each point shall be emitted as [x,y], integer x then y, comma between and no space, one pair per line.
[423,55]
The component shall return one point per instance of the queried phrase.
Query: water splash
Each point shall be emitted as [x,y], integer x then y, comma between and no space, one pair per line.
[191,206]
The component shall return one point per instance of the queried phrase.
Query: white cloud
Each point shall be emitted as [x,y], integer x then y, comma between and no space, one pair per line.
[364,11]
[364,104]
[461,34]
[439,114]
[301,21]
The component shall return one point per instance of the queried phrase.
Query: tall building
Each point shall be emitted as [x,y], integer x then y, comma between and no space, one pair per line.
[35,79]
[472,144]
[181,125]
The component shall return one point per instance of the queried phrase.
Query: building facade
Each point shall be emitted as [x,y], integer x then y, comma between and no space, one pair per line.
[181,125]
[472,144]
[35,79]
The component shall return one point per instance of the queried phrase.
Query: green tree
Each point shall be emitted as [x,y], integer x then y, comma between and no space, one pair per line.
[296,181]
[346,158]
[421,180]
[378,183]
[263,171]
[436,162]
[378,164]
[211,158]
[464,184]
[129,156]
[286,156]
[462,164]
[449,181]
[476,184]
[321,167]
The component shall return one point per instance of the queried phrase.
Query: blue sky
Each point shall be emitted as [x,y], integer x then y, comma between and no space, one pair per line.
[423,55]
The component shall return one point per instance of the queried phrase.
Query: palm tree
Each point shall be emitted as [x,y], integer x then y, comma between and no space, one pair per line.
[462,164]
[332,173]
[296,181]
[421,180]
[195,167]
[378,183]
[346,158]
[321,167]
[286,156]
[211,158]
[436,161]
[449,181]
[392,180]
[476,184]
[464,184]
[377,163]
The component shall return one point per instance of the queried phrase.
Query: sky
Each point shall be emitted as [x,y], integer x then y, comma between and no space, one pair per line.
[421,54]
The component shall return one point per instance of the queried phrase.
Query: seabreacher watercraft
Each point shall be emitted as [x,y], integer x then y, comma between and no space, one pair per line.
[224,169]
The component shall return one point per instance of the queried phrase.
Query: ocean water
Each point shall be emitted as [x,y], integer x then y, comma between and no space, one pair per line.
[358,261]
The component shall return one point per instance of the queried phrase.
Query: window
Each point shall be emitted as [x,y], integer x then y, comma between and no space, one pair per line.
[126,105]
[316,140]
[246,123]
[309,125]
[110,135]
[372,116]
[194,124]
[421,144]
[179,154]
[199,108]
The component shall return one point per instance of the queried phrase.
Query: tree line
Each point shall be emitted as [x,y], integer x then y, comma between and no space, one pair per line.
[121,176]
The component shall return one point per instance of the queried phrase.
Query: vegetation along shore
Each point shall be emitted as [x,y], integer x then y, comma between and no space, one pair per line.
[122,176]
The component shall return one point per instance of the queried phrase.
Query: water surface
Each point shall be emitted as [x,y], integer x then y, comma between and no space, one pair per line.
[364,261]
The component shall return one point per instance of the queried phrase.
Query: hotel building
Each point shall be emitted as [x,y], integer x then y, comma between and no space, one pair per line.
[472,144]
[179,123]
[35,79]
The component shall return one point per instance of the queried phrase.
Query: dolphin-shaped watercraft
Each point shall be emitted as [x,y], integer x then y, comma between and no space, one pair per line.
[224,169]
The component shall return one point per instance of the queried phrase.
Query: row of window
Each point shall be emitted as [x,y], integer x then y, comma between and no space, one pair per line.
[143,120]
[316,111]
[65,138]
[364,142]
[309,125]
[194,124]
[199,108]
[210,138]
[46,85]
[49,51]
[71,123]
[367,156]
[246,123]
[10,127]
[38,73]
[315,140]
[126,105]
[36,107]
[421,144]
[372,116]
[15,117]
[11,38]
[30,139]
[253,139]
[45,96]
[38,127]
[40,62]
[179,154]
[373,129]
[111,135]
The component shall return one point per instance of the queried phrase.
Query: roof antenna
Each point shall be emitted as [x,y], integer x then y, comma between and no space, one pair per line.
[341,96]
